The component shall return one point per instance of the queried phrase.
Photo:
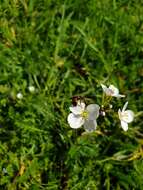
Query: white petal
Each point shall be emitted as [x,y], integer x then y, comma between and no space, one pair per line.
[82,105]
[77,109]
[109,91]
[104,88]
[120,96]
[90,125]
[124,125]
[93,111]
[75,121]
[125,106]
[114,90]
[129,116]
[120,114]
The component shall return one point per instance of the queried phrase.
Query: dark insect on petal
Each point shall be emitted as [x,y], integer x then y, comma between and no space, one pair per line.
[76,99]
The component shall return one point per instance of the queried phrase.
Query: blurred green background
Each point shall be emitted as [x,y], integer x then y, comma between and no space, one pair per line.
[65,48]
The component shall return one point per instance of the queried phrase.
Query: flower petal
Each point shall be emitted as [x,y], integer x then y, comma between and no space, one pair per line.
[120,114]
[120,96]
[124,125]
[125,106]
[114,90]
[129,116]
[93,111]
[75,121]
[105,89]
[77,109]
[111,91]
[90,125]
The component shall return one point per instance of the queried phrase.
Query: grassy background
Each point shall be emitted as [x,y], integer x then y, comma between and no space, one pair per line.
[66,48]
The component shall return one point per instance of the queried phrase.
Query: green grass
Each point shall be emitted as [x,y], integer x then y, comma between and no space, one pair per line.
[67,48]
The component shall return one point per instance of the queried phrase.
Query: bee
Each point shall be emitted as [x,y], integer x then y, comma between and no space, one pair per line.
[77,99]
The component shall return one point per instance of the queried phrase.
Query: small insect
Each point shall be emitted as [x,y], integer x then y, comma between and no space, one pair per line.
[77,99]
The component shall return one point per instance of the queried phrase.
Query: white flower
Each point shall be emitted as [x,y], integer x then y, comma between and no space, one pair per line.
[4,170]
[31,88]
[82,115]
[111,91]
[19,95]
[110,106]
[125,116]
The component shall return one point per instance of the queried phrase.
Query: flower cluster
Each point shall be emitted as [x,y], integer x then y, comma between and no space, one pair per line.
[86,115]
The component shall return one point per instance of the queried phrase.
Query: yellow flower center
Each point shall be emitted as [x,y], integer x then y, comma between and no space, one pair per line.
[84,114]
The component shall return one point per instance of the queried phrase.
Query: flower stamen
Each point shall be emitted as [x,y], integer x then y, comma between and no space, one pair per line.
[84,114]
